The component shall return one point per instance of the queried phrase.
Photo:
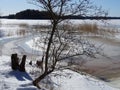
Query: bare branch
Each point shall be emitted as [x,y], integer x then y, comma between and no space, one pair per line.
[59,44]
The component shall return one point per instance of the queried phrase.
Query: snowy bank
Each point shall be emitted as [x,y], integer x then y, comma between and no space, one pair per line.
[70,80]
[64,80]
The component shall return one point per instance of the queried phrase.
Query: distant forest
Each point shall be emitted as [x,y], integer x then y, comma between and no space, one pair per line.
[36,14]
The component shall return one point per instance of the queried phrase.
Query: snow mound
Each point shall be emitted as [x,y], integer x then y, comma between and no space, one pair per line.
[70,80]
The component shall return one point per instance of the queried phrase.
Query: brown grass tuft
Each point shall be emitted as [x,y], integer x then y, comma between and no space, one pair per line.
[88,28]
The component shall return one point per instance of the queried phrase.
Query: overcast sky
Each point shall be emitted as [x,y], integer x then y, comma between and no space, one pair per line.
[13,6]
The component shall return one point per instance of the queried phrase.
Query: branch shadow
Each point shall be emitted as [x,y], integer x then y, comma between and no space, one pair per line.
[21,76]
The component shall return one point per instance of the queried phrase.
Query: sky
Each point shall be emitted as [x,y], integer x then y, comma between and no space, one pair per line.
[13,6]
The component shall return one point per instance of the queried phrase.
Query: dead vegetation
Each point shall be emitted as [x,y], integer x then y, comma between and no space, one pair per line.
[21,32]
[98,29]
[88,28]
[23,25]
[92,29]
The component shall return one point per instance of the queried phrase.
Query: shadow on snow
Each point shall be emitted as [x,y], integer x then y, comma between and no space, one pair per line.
[21,76]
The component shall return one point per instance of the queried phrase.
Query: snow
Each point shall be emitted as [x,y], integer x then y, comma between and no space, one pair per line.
[13,80]
[9,29]
[47,22]
[35,44]
[117,36]
[70,80]
[29,22]
[65,80]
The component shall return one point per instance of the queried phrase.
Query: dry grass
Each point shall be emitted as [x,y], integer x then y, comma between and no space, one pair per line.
[84,28]
[21,32]
[23,25]
[88,28]
[10,34]
[94,28]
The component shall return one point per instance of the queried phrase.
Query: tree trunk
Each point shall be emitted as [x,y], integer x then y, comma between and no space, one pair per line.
[37,80]
[49,44]
[46,72]
[22,64]
[14,62]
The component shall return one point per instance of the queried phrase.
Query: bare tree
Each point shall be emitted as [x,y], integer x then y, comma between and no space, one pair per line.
[59,44]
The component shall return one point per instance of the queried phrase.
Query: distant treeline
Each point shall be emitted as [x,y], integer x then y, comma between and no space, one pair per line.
[28,14]
[36,14]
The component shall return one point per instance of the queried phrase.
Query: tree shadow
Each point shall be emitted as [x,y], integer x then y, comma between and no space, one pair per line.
[31,88]
[21,76]
[27,88]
